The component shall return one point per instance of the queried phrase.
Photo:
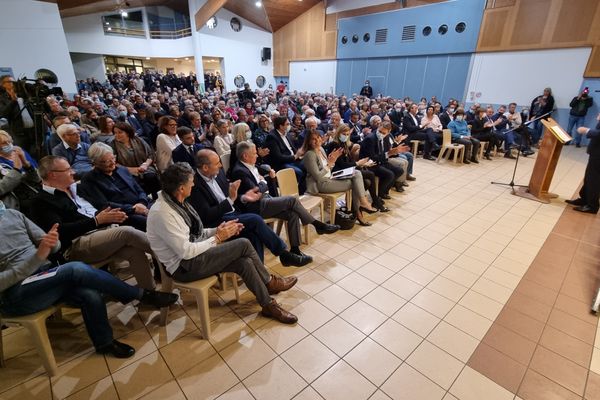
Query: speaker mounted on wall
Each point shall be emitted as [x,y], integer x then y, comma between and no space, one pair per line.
[265,54]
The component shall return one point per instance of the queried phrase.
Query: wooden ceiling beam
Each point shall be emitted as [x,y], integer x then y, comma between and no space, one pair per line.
[209,9]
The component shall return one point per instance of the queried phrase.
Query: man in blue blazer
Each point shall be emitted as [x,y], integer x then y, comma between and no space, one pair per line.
[187,150]
[282,153]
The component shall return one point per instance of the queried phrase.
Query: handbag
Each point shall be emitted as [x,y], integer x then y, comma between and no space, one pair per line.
[345,218]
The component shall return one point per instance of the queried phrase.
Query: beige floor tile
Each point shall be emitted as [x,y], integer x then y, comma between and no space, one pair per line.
[460,275]
[435,364]
[35,389]
[431,263]
[409,384]
[207,380]
[363,317]
[78,374]
[453,341]
[396,338]
[481,304]
[276,380]
[310,358]
[375,272]
[238,392]
[339,336]
[21,369]
[104,389]
[352,259]
[384,301]
[405,251]
[330,249]
[471,264]
[373,361]
[416,319]
[433,302]
[227,330]
[168,391]
[308,394]
[357,284]
[247,355]
[502,277]
[468,321]
[418,243]
[18,342]
[402,286]
[143,344]
[312,314]
[370,249]
[332,270]
[343,382]
[447,288]
[186,352]
[335,298]
[178,325]
[379,395]
[132,381]
[281,337]
[417,274]
[448,396]
[492,290]
[514,267]
[392,261]
[471,385]
[312,283]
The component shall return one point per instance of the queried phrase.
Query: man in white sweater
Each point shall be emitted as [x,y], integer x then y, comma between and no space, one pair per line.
[190,252]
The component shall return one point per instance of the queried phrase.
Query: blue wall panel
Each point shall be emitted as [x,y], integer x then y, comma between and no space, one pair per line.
[435,76]
[449,13]
[397,75]
[415,77]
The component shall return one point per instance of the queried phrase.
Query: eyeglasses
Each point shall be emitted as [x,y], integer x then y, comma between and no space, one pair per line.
[107,162]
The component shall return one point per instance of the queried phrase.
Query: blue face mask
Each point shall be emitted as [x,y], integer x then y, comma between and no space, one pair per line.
[7,149]
[343,138]
[123,114]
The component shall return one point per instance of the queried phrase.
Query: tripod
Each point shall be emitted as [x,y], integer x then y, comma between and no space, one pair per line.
[512,184]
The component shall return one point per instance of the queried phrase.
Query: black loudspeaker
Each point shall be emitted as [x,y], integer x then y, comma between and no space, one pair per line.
[265,54]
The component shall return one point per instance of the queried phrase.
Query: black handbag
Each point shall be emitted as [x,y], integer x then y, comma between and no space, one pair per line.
[344,218]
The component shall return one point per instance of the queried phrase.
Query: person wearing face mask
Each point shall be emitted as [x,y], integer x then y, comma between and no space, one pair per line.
[447,116]
[579,107]
[341,140]
[396,116]
[19,179]
[366,90]
[462,135]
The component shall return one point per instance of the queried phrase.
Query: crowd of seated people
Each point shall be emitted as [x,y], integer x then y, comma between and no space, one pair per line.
[134,173]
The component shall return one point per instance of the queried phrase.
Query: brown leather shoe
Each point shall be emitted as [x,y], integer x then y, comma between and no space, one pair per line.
[277,284]
[274,310]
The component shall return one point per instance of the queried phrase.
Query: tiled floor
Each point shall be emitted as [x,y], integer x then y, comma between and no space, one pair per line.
[445,297]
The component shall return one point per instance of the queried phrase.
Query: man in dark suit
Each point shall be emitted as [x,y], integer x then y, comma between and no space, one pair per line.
[373,147]
[255,198]
[590,191]
[186,151]
[447,116]
[109,185]
[367,90]
[282,153]
[411,125]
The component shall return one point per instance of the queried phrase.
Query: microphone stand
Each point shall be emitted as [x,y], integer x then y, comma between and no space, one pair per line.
[512,184]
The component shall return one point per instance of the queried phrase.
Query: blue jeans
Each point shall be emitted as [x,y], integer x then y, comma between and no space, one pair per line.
[76,284]
[575,122]
[537,131]
[258,233]
[408,156]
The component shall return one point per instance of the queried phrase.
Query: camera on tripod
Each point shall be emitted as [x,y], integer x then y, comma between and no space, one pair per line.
[43,86]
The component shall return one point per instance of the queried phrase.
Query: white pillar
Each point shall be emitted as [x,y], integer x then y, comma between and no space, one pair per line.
[195,5]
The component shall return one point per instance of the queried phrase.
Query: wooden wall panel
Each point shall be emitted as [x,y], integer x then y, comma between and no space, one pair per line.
[593,67]
[311,36]
[493,32]
[575,21]
[530,22]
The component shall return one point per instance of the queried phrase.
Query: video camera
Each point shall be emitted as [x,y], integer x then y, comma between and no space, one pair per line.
[43,86]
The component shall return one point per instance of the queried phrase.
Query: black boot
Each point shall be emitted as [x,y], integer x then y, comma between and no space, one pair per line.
[158,299]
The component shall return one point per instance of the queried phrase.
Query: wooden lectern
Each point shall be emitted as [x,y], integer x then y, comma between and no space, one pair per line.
[545,163]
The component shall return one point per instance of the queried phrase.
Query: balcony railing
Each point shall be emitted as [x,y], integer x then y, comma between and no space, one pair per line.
[175,34]
[140,33]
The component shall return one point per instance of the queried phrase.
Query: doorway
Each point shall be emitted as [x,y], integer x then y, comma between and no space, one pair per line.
[213,70]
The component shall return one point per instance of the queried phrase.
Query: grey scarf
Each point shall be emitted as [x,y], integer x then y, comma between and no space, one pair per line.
[189,215]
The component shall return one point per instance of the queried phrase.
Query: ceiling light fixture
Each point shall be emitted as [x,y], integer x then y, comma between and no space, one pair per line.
[258,3]
[147,58]
[124,14]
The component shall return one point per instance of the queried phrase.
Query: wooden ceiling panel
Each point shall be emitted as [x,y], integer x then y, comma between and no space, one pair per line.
[247,10]
[281,12]
[72,8]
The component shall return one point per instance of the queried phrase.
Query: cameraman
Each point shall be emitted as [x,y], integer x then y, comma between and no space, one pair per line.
[20,121]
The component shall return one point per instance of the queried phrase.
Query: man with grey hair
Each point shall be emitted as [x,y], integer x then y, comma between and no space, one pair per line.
[73,150]
[190,252]
[87,234]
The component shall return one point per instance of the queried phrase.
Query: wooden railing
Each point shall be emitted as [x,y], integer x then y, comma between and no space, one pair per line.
[178,34]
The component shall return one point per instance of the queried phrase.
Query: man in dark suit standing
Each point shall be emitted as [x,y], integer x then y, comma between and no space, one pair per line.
[412,127]
[186,151]
[373,147]
[214,201]
[282,153]
[367,90]
[590,191]
[254,197]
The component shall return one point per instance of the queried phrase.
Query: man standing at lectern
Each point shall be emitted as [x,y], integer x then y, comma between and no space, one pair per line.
[590,192]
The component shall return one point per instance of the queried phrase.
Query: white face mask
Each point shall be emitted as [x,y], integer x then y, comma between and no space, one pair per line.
[459,117]
[248,135]
[288,128]
[343,138]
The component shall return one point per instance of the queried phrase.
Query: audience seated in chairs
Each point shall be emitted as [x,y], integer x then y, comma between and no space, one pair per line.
[319,179]
[461,134]
[106,135]
[282,153]
[223,140]
[166,141]
[110,185]
[86,233]
[412,126]
[481,129]
[186,151]
[19,179]
[137,156]
[24,250]
[191,252]
[73,150]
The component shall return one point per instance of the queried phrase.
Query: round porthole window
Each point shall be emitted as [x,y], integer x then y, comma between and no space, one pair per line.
[235,24]
[443,29]
[260,81]
[239,81]
[460,27]
[366,37]
[344,39]
[354,38]
[427,31]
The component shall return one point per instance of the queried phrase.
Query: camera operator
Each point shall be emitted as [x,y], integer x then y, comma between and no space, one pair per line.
[19,117]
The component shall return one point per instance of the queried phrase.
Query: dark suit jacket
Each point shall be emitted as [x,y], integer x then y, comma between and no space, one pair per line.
[445,120]
[48,209]
[593,148]
[408,124]
[101,191]
[205,203]
[279,155]
[247,182]
[181,154]
[369,147]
